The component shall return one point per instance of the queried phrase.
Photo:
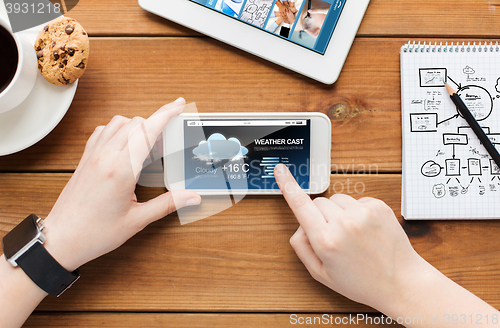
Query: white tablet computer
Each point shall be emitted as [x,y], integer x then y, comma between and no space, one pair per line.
[311,37]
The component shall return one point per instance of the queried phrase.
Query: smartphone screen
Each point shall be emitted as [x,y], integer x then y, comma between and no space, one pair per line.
[242,153]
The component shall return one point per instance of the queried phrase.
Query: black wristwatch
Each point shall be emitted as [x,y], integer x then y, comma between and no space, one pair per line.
[23,246]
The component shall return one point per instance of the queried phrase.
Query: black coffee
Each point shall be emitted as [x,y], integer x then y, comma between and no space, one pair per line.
[9,58]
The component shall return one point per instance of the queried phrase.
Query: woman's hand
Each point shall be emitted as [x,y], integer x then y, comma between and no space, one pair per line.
[290,17]
[98,210]
[355,247]
[358,249]
[282,8]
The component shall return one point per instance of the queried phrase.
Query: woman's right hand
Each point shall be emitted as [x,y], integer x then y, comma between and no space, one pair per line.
[355,247]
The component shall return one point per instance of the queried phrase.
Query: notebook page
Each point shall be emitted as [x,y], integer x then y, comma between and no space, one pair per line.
[447,173]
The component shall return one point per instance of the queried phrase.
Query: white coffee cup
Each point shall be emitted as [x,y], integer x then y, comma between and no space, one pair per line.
[27,69]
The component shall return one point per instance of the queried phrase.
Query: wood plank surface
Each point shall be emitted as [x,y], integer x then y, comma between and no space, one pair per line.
[161,320]
[364,105]
[135,76]
[407,18]
[241,262]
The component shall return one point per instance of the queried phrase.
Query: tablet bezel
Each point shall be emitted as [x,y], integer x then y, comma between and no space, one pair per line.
[320,150]
[324,68]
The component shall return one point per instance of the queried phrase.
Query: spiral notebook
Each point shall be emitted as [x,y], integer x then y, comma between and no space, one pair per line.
[447,173]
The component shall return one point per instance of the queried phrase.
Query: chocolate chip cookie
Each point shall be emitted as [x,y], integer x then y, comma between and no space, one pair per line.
[62,49]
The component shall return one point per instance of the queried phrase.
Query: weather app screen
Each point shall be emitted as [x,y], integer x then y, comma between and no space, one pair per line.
[242,154]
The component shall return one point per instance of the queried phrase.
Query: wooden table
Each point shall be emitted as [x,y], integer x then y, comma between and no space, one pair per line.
[237,269]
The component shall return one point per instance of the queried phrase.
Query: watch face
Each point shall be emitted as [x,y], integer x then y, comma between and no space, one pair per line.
[21,235]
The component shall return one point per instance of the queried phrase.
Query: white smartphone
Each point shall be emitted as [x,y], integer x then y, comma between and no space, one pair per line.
[221,153]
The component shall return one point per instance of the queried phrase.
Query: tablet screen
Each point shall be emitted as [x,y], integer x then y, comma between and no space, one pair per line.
[309,23]
[242,154]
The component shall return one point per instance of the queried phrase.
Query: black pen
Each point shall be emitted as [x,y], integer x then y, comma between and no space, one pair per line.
[467,115]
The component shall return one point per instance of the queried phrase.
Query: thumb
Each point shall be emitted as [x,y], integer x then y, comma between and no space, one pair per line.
[167,203]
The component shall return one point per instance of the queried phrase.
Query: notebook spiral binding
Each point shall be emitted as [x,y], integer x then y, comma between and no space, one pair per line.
[429,47]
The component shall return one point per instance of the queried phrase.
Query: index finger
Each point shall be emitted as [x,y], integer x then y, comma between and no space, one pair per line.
[309,216]
[142,136]
[156,122]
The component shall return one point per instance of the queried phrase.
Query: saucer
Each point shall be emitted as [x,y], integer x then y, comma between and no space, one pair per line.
[38,114]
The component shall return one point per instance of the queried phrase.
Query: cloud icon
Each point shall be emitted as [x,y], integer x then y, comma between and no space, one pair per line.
[439,190]
[468,70]
[431,169]
[217,147]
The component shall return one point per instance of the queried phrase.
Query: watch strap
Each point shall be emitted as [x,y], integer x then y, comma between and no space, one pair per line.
[45,271]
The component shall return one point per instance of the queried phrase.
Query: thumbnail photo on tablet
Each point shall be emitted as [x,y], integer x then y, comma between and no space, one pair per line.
[283,17]
[309,23]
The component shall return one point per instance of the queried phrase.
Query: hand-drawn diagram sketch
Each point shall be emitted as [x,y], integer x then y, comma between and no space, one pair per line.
[460,159]
[432,77]
[447,172]
[255,12]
